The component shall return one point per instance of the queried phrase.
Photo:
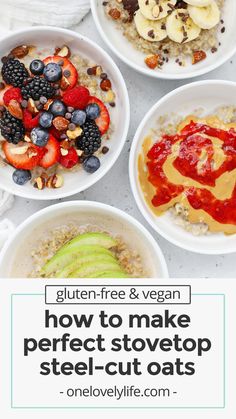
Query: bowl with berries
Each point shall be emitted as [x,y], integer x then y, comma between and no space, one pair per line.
[61,128]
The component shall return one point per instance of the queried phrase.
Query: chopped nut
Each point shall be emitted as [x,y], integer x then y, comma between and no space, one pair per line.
[74,134]
[114,13]
[79,152]
[15,109]
[60,123]
[64,152]
[47,104]
[55,181]
[110,96]
[105,85]
[152,61]
[65,144]
[20,52]
[98,70]
[39,182]
[198,56]
[63,51]
[32,108]
[27,139]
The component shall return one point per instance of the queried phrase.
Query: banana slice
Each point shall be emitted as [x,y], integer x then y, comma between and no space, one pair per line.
[198,3]
[180,27]
[156,10]
[205,17]
[150,30]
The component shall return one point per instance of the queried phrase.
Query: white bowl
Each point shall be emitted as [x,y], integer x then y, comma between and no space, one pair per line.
[182,101]
[15,258]
[124,49]
[77,181]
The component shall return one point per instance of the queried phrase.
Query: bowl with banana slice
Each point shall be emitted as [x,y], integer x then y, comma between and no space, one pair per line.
[169,39]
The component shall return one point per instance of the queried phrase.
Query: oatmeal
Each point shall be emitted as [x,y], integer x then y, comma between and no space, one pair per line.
[54,114]
[191,170]
[166,29]
[84,251]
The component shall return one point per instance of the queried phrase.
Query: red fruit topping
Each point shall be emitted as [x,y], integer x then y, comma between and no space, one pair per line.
[68,69]
[70,160]
[26,160]
[55,133]
[14,93]
[2,93]
[29,121]
[77,97]
[52,153]
[103,121]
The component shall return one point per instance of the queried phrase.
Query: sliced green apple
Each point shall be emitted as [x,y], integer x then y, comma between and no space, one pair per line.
[112,274]
[67,256]
[94,268]
[83,259]
[98,239]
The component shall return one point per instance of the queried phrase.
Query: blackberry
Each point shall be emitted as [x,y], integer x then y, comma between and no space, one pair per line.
[14,72]
[12,129]
[90,140]
[36,88]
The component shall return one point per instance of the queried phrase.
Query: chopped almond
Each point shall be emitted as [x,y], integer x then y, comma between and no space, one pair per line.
[20,52]
[152,61]
[105,85]
[115,14]
[15,109]
[198,56]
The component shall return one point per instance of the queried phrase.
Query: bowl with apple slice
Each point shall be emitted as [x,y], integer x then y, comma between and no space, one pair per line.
[82,239]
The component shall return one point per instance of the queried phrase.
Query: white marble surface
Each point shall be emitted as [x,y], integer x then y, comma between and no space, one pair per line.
[143,93]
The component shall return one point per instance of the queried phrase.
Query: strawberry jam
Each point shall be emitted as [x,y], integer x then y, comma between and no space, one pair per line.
[200,154]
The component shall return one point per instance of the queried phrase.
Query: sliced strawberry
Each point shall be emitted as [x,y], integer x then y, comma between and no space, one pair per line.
[103,121]
[13,93]
[2,92]
[67,67]
[30,121]
[28,159]
[52,153]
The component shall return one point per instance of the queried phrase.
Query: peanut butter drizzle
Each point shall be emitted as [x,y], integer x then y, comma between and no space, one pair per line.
[222,190]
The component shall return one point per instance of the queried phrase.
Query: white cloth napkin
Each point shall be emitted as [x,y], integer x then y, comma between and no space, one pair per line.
[6,226]
[64,13]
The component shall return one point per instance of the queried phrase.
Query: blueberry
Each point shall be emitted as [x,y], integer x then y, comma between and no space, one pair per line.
[20,176]
[37,67]
[91,164]
[45,119]
[57,108]
[52,72]
[78,117]
[92,111]
[39,136]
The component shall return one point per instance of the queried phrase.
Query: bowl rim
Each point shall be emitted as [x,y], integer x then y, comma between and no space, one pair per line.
[132,173]
[126,122]
[88,204]
[164,76]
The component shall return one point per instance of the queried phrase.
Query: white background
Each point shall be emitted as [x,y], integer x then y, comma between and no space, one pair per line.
[143,92]
[204,388]
[208,378]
